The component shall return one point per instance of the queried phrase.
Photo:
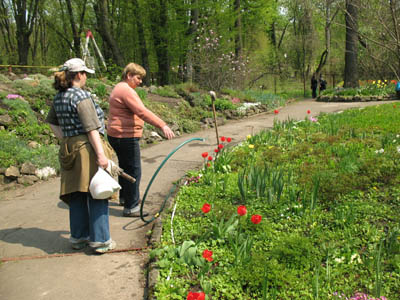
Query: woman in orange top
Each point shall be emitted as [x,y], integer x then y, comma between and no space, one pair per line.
[127,115]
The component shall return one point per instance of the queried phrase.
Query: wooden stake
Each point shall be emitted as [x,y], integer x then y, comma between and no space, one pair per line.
[212,94]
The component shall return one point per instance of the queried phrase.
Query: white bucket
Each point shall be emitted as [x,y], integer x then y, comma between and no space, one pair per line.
[102,185]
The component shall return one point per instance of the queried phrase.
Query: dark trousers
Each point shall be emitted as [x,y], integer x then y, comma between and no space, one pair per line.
[128,153]
[314,92]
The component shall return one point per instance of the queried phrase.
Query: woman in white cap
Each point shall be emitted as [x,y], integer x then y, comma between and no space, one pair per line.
[78,122]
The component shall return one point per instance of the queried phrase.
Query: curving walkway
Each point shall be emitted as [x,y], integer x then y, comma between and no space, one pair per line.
[37,262]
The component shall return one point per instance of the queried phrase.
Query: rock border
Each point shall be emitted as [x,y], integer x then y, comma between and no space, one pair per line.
[337,98]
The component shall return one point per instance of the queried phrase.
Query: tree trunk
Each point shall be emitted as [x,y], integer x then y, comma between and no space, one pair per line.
[6,29]
[351,63]
[142,41]
[104,29]
[24,20]
[238,27]
[193,24]
[159,26]
[75,32]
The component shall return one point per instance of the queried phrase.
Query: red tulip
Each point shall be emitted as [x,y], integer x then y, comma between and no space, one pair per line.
[220,146]
[208,165]
[216,150]
[309,111]
[207,254]
[222,139]
[196,296]
[210,158]
[204,154]
[276,111]
[256,219]
[206,208]
[228,139]
[242,210]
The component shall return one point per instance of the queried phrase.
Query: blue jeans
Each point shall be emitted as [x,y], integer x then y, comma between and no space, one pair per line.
[128,152]
[88,218]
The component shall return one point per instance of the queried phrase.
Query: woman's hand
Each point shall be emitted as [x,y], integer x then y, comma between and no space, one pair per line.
[168,133]
[102,161]
[95,141]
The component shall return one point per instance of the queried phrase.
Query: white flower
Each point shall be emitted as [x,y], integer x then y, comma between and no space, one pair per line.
[45,173]
[380,151]
[398,149]
[355,258]
[339,260]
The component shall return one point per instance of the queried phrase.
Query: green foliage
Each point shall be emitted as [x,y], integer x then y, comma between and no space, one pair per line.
[142,93]
[166,91]
[220,104]
[113,72]
[330,225]
[14,152]
[41,87]
[4,79]
[25,123]
[294,251]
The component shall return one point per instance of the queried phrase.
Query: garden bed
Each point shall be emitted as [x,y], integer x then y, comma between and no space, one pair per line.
[307,210]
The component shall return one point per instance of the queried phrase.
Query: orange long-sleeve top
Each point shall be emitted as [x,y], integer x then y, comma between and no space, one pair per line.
[127,113]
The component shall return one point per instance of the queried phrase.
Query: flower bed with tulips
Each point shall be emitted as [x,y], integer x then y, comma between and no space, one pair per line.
[307,210]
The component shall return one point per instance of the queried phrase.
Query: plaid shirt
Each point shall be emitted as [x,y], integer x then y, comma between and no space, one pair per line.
[65,106]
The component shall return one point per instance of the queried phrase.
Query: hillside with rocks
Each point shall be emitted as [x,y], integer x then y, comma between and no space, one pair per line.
[28,151]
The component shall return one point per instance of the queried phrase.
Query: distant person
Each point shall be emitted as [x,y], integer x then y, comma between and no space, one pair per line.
[314,86]
[78,121]
[397,89]
[127,115]
[322,84]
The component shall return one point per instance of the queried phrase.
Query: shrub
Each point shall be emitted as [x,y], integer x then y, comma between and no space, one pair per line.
[166,91]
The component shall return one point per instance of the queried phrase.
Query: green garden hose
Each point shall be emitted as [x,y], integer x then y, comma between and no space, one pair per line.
[152,218]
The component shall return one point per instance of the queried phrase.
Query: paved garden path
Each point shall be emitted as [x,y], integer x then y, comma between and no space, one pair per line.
[37,262]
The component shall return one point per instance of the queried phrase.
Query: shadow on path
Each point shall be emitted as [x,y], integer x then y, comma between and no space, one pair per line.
[46,240]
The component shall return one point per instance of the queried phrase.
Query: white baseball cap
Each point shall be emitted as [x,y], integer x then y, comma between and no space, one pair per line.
[76,65]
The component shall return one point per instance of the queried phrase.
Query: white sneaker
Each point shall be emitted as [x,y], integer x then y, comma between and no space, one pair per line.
[106,248]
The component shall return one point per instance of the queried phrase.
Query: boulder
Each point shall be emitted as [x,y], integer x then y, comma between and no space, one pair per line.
[28,168]
[12,172]
[5,120]
[152,89]
[27,179]
[33,144]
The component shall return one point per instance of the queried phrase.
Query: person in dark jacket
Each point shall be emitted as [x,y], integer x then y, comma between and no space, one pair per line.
[322,84]
[314,86]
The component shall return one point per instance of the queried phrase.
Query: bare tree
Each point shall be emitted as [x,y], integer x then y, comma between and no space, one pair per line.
[238,27]
[25,13]
[104,29]
[77,28]
[6,30]
[329,17]
[159,18]
[142,40]
[351,54]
